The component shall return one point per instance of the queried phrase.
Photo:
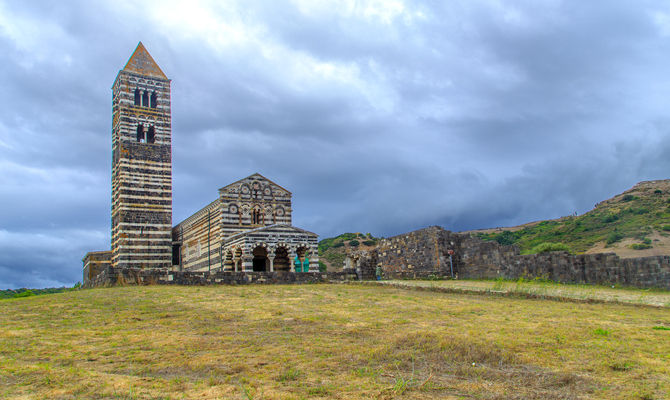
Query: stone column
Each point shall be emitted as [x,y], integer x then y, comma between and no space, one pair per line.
[271,257]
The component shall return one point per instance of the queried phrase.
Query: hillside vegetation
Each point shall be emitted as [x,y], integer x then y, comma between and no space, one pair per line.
[326,341]
[634,223]
[13,293]
[332,250]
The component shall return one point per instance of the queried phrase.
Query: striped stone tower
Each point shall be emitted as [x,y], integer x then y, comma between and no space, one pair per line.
[141,165]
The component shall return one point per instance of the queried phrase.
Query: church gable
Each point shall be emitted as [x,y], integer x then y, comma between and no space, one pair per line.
[253,202]
[254,182]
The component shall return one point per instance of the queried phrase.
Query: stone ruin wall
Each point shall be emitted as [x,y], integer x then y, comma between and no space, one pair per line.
[111,276]
[424,254]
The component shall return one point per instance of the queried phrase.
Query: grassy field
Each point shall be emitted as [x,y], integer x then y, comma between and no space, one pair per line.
[327,341]
[549,290]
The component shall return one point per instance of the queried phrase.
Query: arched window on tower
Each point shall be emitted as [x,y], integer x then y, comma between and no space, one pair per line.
[140,133]
[154,100]
[137,97]
[145,99]
[151,134]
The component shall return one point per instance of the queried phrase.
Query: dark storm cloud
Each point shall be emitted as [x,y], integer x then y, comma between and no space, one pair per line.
[379,116]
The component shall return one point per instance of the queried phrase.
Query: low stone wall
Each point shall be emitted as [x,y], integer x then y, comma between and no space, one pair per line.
[163,276]
[94,263]
[424,253]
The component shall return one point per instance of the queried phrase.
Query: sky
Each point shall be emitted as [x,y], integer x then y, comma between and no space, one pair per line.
[381,116]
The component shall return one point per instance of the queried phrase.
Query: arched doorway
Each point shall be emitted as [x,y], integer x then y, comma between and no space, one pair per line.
[282,262]
[261,262]
[302,252]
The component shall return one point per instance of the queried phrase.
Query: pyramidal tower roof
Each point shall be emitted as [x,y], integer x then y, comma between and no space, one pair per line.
[142,63]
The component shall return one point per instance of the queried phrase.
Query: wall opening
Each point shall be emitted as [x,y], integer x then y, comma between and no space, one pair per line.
[282,262]
[140,133]
[154,100]
[261,262]
[256,217]
[137,97]
[145,99]
[151,134]
[176,256]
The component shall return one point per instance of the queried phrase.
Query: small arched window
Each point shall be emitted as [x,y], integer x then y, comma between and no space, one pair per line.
[154,100]
[151,134]
[137,97]
[145,99]
[140,133]
[256,217]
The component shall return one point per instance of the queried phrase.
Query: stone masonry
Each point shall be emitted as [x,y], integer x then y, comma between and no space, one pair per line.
[425,253]
[141,165]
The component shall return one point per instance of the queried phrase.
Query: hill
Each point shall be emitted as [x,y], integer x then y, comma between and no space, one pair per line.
[634,223]
[326,341]
[332,250]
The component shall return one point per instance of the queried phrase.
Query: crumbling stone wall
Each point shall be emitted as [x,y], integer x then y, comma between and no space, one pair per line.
[424,253]
[94,263]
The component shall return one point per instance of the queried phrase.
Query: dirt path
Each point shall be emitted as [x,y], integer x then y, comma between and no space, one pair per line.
[585,293]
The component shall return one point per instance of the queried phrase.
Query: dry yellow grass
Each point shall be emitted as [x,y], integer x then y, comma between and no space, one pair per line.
[326,341]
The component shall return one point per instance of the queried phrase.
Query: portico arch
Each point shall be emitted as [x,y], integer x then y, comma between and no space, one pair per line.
[261,262]
[282,261]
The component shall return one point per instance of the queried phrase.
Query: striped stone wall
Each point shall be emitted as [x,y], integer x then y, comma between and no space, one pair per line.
[199,238]
[248,204]
[141,165]
[238,250]
[252,196]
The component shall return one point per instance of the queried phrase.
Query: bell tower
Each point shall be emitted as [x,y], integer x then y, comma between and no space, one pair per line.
[141,165]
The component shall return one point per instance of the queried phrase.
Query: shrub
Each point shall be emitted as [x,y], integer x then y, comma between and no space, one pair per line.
[337,244]
[637,210]
[25,293]
[322,267]
[614,237]
[354,243]
[666,228]
[610,218]
[640,246]
[369,242]
[628,197]
[547,247]
[506,238]
[658,191]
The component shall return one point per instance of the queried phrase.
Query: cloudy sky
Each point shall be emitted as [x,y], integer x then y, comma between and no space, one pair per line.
[380,116]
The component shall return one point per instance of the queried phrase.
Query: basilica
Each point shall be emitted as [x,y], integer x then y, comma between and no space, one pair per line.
[246,229]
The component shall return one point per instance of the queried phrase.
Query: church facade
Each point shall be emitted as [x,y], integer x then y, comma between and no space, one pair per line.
[247,228]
